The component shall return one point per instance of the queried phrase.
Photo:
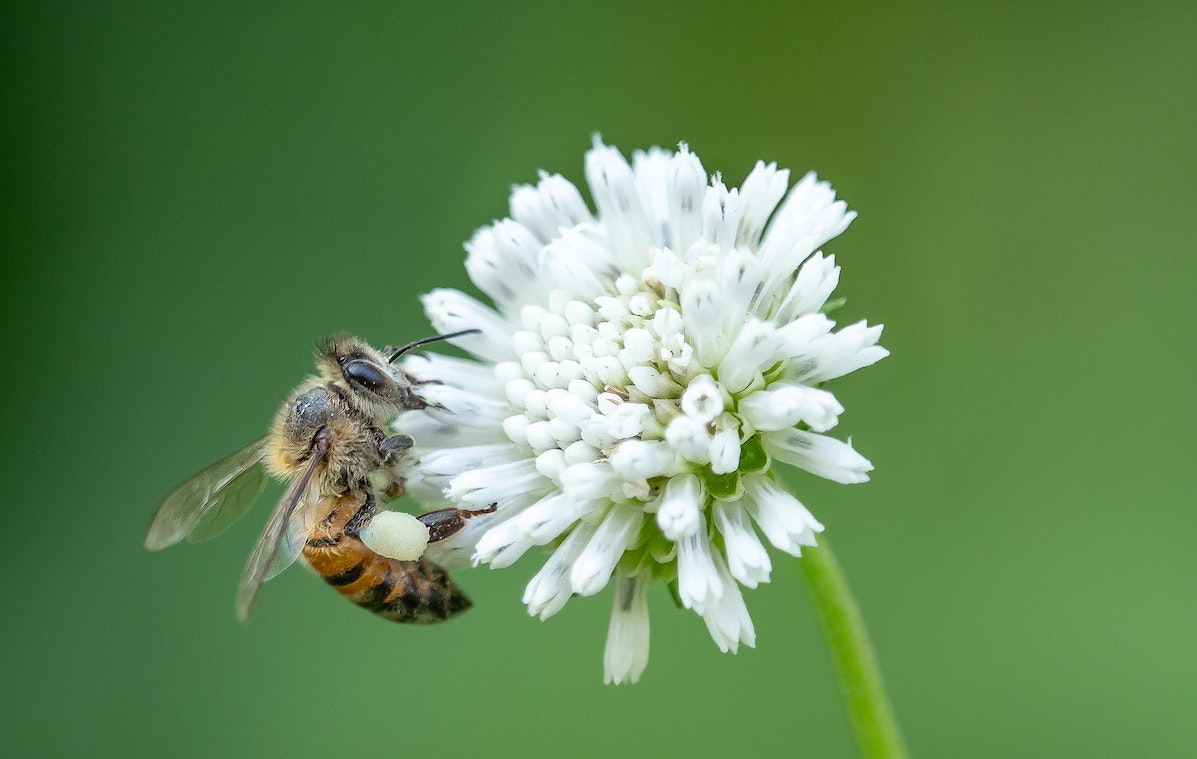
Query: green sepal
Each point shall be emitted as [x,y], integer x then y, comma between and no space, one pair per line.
[752,455]
[721,485]
[832,304]
[677,596]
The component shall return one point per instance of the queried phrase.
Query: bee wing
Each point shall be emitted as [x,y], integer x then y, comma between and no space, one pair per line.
[205,505]
[279,544]
[295,534]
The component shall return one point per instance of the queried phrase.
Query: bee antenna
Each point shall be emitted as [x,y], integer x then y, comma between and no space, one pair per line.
[400,351]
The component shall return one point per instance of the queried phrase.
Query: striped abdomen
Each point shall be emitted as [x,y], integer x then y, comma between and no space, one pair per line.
[416,592]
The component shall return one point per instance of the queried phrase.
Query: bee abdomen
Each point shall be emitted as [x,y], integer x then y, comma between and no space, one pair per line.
[417,592]
[414,592]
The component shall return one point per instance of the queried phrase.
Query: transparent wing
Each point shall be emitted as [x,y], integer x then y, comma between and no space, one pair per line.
[280,544]
[295,534]
[204,506]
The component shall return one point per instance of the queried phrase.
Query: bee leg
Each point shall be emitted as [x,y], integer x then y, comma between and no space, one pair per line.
[362,517]
[391,448]
[443,523]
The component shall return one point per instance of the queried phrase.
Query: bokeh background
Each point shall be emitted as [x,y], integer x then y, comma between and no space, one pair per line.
[193,193]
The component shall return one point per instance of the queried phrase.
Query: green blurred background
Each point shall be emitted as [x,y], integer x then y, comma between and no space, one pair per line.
[194,193]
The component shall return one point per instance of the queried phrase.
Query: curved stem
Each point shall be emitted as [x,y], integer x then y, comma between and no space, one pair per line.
[872,716]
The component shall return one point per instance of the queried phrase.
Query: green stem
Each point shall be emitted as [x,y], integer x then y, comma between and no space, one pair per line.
[860,679]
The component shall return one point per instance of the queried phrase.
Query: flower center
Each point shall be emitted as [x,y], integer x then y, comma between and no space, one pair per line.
[616,381]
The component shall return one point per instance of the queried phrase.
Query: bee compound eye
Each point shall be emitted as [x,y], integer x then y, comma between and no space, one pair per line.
[365,374]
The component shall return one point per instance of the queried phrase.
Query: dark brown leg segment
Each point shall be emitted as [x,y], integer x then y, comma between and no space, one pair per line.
[444,523]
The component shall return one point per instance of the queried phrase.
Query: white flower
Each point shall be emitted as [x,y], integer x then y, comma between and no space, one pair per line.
[642,369]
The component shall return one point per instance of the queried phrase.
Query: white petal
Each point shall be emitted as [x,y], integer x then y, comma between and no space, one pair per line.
[550,206]
[720,216]
[802,338]
[578,265]
[725,451]
[502,546]
[652,170]
[809,217]
[818,454]
[502,261]
[497,484]
[751,351]
[588,482]
[690,438]
[452,311]
[638,347]
[613,186]
[453,403]
[666,270]
[702,310]
[626,654]
[741,274]
[547,519]
[698,583]
[515,427]
[782,518]
[548,591]
[455,372]
[815,282]
[641,459]
[726,616]
[746,557]
[456,460]
[762,189]
[566,405]
[581,453]
[679,514]
[552,464]
[852,348]
[687,188]
[446,430]
[592,569]
[654,383]
[702,400]
[784,405]
[506,540]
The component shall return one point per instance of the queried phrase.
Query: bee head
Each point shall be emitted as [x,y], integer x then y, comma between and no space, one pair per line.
[374,386]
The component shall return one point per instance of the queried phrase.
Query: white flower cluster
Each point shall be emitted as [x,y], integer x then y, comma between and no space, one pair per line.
[642,369]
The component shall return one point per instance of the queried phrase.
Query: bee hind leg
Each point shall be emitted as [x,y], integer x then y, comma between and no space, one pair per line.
[444,523]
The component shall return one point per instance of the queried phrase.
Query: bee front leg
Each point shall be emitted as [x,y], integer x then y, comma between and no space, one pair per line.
[390,453]
[444,523]
[391,449]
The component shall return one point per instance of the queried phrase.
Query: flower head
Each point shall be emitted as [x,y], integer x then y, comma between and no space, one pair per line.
[642,369]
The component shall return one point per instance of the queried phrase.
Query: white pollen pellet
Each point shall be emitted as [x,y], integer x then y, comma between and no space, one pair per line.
[397,535]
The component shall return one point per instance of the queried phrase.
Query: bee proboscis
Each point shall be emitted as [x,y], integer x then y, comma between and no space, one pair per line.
[329,440]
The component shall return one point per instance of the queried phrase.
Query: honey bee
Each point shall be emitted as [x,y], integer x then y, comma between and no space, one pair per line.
[329,441]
